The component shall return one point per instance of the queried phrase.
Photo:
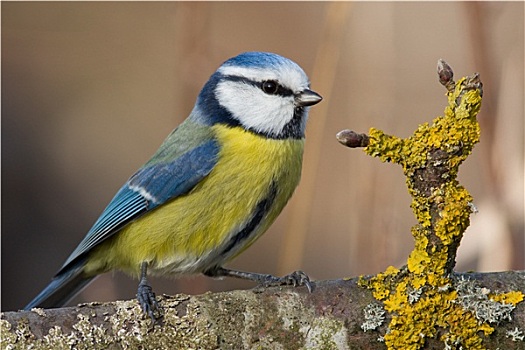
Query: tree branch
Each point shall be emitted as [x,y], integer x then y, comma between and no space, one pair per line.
[427,303]
[332,317]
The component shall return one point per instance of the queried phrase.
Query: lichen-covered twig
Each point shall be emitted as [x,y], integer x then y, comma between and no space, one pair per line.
[425,300]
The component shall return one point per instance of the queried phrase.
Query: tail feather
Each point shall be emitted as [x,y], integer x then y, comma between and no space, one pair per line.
[62,288]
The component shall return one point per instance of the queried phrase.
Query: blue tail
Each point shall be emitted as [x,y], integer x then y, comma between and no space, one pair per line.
[62,288]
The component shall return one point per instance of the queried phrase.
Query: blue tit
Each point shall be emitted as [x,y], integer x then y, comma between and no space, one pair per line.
[213,187]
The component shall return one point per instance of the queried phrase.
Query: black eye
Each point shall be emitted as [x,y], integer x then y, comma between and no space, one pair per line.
[270,87]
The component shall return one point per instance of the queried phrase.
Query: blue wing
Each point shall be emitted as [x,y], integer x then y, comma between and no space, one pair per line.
[151,186]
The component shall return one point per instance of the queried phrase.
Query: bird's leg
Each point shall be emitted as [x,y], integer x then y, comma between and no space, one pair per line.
[146,296]
[296,278]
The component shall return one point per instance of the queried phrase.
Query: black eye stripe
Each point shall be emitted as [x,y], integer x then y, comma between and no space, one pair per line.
[281,90]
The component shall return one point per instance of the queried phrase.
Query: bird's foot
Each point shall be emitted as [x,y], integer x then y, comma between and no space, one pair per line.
[148,301]
[296,279]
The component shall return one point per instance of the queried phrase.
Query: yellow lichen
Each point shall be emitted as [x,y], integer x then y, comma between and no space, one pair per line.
[423,298]
[418,261]
[512,297]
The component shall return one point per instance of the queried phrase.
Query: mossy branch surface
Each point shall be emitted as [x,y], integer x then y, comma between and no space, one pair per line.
[426,300]
[334,316]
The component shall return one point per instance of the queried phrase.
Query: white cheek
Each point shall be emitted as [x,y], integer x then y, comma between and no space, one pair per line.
[253,108]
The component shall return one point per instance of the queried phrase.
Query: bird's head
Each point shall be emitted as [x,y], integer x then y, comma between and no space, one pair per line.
[262,92]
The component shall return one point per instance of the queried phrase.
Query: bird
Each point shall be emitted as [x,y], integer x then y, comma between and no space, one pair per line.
[213,187]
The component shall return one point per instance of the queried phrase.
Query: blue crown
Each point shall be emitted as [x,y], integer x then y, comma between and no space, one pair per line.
[256,59]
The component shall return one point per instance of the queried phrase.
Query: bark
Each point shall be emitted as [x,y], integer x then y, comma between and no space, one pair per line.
[331,317]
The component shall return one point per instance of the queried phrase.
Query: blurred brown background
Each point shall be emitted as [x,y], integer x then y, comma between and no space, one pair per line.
[89,91]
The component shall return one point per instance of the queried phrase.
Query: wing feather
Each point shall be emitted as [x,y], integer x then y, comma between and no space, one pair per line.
[151,186]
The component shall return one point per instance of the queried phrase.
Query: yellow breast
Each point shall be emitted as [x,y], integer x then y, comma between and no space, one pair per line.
[190,233]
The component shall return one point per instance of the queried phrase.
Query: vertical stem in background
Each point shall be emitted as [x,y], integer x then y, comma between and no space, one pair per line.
[475,13]
[493,170]
[193,38]
[322,77]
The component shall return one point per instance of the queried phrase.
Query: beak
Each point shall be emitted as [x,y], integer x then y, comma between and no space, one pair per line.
[307,98]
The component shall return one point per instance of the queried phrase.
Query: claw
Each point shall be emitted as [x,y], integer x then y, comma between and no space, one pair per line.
[301,279]
[148,302]
[296,278]
[146,297]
